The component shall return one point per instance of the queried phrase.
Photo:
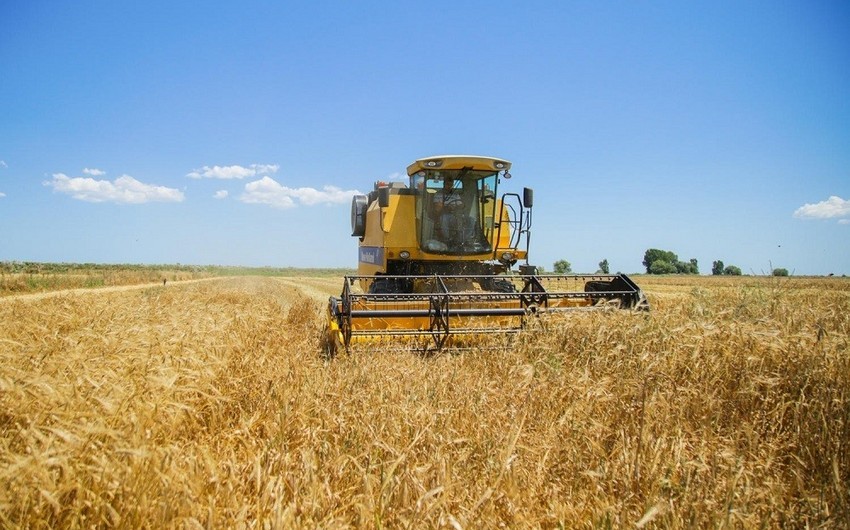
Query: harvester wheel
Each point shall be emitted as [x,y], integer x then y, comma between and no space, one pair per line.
[499,286]
[390,286]
[504,286]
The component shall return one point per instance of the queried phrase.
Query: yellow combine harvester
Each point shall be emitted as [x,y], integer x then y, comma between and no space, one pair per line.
[437,256]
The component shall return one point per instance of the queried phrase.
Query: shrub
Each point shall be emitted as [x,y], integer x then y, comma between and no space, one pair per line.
[662,267]
[732,270]
[689,267]
[562,266]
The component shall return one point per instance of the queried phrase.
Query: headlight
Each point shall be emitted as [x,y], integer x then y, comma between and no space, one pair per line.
[500,165]
[507,256]
[404,254]
[433,163]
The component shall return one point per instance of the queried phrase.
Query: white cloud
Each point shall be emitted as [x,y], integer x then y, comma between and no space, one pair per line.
[3,163]
[123,190]
[233,172]
[221,194]
[328,194]
[269,191]
[832,208]
[94,172]
[2,194]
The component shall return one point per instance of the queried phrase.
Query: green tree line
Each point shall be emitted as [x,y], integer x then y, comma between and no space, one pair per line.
[659,261]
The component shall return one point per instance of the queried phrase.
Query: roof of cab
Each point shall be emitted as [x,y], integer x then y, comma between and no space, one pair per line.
[459,162]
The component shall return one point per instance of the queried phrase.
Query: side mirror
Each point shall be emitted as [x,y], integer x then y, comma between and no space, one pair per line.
[527,197]
[359,203]
[383,197]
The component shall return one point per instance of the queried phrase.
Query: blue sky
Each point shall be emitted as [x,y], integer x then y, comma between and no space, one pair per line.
[235,133]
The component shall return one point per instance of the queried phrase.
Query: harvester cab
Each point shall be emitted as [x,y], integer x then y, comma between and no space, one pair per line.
[436,258]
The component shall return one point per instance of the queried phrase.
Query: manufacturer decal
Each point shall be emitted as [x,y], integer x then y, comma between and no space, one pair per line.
[372,255]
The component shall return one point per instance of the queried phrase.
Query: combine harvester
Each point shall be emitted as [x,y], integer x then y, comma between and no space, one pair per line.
[436,262]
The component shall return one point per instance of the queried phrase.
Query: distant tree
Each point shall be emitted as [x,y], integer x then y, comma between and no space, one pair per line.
[671,262]
[717,268]
[662,267]
[691,267]
[652,255]
[562,266]
[732,270]
[780,272]
[603,266]
[687,267]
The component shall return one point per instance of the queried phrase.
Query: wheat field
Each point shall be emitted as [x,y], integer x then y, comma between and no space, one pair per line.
[209,405]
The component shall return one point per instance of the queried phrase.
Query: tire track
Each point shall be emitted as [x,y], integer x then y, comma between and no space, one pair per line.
[100,290]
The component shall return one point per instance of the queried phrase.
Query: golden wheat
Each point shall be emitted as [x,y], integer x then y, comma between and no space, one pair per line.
[209,405]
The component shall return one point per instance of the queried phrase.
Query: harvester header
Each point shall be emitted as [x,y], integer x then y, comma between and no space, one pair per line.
[436,260]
